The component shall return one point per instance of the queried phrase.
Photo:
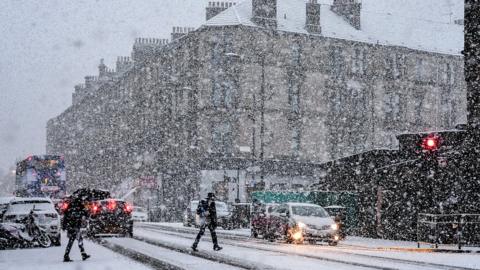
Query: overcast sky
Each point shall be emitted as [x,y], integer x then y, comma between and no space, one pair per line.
[48,46]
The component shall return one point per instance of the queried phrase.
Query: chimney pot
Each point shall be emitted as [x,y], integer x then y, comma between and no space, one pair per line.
[312,24]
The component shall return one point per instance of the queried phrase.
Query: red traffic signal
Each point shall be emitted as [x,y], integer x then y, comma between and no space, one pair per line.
[431,143]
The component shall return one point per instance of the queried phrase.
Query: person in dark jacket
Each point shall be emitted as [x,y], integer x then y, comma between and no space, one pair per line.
[75,214]
[208,218]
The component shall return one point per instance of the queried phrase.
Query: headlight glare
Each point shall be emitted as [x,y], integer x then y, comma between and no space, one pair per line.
[301,225]
[334,226]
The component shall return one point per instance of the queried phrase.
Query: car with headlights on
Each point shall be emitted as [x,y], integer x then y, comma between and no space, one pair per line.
[44,211]
[299,222]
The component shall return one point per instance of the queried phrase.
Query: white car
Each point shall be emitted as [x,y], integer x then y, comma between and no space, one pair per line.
[139,214]
[297,222]
[45,215]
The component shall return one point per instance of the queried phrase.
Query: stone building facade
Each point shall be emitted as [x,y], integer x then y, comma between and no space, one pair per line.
[250,105]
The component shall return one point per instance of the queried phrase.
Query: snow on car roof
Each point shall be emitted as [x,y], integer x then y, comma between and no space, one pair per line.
[426,25]
[303,204]
[20,199]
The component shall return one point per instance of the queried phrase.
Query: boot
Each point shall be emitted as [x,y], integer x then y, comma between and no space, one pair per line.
[66,258]
[194,247]
[217,248]
[85,256]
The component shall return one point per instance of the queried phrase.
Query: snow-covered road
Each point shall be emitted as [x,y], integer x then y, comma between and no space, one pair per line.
[167,246]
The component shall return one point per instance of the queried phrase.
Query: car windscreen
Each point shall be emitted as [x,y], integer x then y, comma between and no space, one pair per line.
[139,209]
[26,206]
[309,211]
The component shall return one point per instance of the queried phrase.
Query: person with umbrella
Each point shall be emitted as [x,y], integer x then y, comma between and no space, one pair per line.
[207,212]
[74,216]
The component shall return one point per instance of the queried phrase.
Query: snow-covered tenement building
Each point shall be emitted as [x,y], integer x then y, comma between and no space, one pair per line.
[262,93]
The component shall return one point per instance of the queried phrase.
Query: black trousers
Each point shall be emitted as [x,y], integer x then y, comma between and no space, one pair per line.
[212,228]
[73,235]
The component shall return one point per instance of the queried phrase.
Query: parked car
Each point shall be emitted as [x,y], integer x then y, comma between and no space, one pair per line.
[110,216]
[259,220]
[46,216]
[241,215]
[224,215]
[139,214]
[299,222]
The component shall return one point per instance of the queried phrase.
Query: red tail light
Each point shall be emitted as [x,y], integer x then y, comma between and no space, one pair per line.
[63,206]
[95,208]
[112,205]
[128,208]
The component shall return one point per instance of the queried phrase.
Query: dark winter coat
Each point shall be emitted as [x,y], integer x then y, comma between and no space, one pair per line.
[73,216]
[212,213]
[206,208]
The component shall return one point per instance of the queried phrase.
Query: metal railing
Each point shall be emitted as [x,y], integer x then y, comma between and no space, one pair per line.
[448,229]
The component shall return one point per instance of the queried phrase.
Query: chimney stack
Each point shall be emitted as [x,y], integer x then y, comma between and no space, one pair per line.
[264,13]
[349,10]
[102,69]
[312,24]
[179,32]
[145,48]
[123,64]
[89,81]
[214,8]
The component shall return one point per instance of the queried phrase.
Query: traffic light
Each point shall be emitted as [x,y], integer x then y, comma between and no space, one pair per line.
[431,143]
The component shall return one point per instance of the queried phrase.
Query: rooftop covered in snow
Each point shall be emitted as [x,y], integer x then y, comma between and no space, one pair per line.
[427,25]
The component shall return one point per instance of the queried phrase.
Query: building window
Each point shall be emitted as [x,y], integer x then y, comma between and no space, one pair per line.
[296,140]
[392,108]
[394,66]
[293,91]
[224,76]
[336,61]
[228,42]
[400,67]
[296,53]
[222,137]
[359,58]
[419,98]
[447,74]
[420,70]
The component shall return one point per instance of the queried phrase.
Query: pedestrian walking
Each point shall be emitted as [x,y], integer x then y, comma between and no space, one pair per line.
[208,219]
[73,218]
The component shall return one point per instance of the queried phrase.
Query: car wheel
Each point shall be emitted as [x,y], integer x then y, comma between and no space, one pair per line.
[332,243]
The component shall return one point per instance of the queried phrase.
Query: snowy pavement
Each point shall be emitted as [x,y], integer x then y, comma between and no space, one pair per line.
[52,259]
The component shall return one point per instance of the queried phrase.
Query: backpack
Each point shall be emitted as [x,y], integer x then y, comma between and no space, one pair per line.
[202,208]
